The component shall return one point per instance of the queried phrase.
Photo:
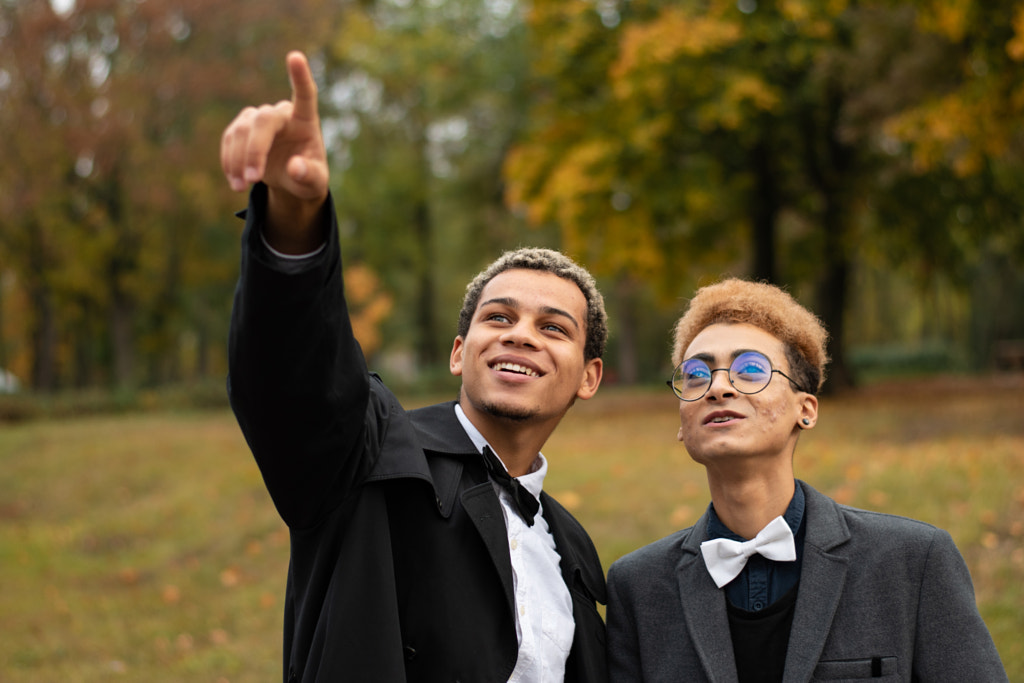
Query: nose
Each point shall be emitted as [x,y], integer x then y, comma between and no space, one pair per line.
[522,333]
[720,385]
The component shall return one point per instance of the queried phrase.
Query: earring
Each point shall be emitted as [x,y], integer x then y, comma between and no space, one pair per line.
[807,422]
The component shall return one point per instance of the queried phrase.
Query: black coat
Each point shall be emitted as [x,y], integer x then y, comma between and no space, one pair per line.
[400,568]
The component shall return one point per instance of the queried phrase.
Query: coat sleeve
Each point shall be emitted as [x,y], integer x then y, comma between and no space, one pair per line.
[297,380]
[953,643]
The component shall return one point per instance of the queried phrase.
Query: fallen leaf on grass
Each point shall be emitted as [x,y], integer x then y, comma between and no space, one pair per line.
[170,594]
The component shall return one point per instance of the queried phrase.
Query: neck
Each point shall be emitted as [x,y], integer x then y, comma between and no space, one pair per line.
[517,446]
[516,442]
[746,504]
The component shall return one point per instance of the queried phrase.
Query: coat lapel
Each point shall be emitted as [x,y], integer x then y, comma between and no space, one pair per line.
[482,506]
[452,458]
[822,578]
[703,606]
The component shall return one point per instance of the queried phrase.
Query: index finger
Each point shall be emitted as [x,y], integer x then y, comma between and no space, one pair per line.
[304,92]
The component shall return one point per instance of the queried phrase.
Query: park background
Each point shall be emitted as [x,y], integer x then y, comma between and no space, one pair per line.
[867,156]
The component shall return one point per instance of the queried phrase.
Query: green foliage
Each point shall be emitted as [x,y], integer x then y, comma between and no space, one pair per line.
[795,141]
[426,98]
[894,360]
[662,144]
[115,210]
[204,394]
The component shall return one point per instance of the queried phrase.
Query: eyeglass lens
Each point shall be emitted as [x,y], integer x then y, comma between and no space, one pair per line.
[749,373]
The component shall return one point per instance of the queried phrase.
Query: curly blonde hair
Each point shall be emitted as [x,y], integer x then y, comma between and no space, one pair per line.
[765,306]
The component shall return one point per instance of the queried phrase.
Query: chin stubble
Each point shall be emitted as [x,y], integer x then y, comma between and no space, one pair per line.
[508,413]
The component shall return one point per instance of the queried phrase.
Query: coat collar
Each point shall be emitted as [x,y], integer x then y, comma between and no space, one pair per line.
[441,434]
[434,429]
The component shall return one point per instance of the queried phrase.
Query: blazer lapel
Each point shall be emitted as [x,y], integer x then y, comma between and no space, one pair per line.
[703,606]
[822,578]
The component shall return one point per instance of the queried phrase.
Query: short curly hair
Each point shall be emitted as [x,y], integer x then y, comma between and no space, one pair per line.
[765,306]
[548,261]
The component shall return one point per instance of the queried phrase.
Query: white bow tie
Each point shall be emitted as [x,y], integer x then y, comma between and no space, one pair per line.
[726,558]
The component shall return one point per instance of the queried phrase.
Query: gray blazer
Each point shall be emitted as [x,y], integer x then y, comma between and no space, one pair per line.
[880,596]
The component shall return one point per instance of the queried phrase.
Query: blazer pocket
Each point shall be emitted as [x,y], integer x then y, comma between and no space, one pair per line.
[877,668]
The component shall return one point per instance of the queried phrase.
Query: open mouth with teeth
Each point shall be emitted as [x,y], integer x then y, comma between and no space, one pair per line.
[515,369]
[721,419]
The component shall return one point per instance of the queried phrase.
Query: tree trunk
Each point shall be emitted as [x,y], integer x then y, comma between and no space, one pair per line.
[426,322]
[44,329]
[764,211]
[828,162]
[627,371]
[44,339]
[832,295]
[122,338]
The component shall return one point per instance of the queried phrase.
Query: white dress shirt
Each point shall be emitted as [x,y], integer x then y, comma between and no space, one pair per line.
[544,622]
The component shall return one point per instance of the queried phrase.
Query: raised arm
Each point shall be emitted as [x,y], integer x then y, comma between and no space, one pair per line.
[298,383]
[282,146]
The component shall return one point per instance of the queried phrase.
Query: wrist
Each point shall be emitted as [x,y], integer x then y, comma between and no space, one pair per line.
[294,225]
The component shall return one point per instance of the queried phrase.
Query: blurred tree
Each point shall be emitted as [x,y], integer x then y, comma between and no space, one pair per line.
[427,97]
[112,201]
[968,136]
[676,140]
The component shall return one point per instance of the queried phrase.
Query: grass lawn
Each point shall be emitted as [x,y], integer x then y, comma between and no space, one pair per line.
[145,548]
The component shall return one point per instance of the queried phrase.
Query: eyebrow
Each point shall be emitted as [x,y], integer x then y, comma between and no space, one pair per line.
[514,303]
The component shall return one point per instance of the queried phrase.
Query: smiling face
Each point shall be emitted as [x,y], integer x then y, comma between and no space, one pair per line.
[521,359]
[725,425]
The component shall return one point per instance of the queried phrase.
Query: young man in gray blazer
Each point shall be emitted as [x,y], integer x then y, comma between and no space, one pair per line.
[777,582]
[423,547]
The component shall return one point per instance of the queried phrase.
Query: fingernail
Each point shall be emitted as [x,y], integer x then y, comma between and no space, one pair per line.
[252,174]
[237,184]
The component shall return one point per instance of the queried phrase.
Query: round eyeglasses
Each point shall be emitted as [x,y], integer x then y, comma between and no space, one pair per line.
[749,373]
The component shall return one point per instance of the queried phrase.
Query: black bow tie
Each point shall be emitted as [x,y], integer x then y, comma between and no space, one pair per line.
[524,501]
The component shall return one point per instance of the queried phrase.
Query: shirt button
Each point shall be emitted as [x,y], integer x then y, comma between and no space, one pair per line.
[522,610]
[515,543]
[758,606]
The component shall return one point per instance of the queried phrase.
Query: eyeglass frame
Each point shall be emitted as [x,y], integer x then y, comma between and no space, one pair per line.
[711,376]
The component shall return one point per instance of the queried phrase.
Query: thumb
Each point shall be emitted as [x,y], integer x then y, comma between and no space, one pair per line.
[308,177]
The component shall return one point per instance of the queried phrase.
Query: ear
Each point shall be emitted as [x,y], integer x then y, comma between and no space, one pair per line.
[808,416]
[455,361]
[592,373]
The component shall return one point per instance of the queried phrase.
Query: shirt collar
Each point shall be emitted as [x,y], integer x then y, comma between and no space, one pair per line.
[794,517]
[533,480]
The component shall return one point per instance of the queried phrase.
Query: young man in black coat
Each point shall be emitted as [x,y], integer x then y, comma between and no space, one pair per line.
[416,554]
